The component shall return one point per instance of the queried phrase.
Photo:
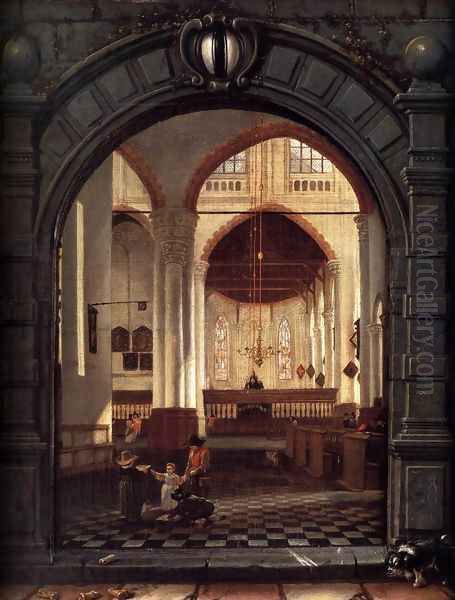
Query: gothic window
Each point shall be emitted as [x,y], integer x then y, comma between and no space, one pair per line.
[120,339]
[284,350]
[234,164]
[221,349]
[142,339]
[307,160]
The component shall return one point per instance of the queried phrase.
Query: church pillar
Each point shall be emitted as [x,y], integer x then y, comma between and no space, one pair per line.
[200,274]
[158,328]
[173,422]
[189,329]
[317,354]
[364,261]
[328,336]
[334,267]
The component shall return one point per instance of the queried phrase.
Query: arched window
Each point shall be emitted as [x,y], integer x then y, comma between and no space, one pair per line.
[307,160]
[284,350]
[234,164]
[297,185]
[238,186]
[142,339]
[327,186]
[221,349]
[208,186]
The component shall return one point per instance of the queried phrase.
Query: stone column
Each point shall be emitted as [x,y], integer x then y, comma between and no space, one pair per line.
[158,328]
[423,445]
[334,268]
[328,336]
[375,333]
[200,274]
[174,231]
[364,262]
[317,354]
[189,329]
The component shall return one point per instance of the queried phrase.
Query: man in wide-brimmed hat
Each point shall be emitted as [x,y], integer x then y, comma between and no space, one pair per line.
[130,487]
[198,463]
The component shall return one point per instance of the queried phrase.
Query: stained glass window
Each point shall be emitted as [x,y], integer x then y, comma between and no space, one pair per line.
[304,159]
[221,349]
[284,350]
[234,164]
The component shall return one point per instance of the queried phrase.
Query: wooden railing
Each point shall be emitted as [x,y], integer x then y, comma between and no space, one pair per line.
[277,404]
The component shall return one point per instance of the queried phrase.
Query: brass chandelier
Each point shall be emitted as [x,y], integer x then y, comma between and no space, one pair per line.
[257,352]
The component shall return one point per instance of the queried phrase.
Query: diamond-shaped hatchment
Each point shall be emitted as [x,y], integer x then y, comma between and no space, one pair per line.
[351,369]
[320,379]
[310,371]
[300,371]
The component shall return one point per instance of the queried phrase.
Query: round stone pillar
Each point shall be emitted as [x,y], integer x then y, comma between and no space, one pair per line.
[200,274]
[173,420]
[364,261]
[334,268]
[158,329]
[328,336]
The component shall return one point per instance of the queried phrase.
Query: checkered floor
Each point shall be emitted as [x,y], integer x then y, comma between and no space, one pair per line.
[269,518]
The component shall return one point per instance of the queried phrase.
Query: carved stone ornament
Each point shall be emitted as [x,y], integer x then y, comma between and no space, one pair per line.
[218,51]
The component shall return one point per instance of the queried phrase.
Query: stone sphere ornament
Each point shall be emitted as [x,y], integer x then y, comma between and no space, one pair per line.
[20,61]
[220,51]
[426,57]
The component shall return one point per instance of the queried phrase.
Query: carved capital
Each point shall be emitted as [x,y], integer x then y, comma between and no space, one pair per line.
[334,267]
[374,329]
[174,252]
[200,270]
[362,227]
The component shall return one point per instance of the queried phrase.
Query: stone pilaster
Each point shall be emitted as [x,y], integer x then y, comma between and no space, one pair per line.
[27,329]
[422,445]
[374,331]
[200,274]
[364,262]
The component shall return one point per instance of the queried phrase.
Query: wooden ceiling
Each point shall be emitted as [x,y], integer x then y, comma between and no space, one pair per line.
[291,261]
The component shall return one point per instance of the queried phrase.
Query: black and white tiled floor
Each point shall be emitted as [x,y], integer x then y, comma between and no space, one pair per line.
[267,518]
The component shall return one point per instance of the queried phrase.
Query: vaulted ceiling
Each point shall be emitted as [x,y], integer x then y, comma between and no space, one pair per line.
[291,261]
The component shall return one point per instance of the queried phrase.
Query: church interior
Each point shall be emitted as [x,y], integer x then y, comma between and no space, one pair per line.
[221,274]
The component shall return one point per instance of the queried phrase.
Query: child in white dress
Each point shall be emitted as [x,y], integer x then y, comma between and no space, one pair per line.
[171,483]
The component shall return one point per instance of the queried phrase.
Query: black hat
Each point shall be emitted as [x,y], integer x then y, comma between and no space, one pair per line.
[195,440]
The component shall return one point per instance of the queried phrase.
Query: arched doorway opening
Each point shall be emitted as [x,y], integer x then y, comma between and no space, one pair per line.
[372,135]
[304,301]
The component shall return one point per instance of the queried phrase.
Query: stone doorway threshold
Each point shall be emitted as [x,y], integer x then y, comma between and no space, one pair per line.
[267,565]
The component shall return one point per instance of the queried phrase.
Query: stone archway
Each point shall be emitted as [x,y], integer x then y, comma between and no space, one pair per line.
[122,89]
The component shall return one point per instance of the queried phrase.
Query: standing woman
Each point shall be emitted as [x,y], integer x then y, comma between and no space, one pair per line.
[130,486]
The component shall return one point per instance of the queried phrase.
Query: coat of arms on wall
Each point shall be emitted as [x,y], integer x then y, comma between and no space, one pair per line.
[320,379]
[300,371]
[351,369]
[310,371]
